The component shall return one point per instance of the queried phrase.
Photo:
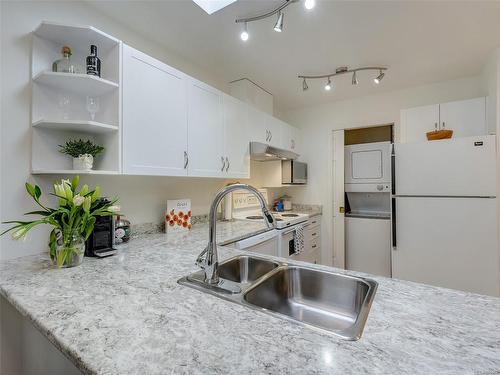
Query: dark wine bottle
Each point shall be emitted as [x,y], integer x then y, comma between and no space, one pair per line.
[93,62]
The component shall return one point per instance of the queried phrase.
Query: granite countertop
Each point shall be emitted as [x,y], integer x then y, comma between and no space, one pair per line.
[127,315]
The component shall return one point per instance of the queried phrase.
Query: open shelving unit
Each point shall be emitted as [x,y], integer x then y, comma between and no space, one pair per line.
[58,111]
[84,126]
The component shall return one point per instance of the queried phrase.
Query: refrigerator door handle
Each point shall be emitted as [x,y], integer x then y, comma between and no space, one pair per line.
[394,235]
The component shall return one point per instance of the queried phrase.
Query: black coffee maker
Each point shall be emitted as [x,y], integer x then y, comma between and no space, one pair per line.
[102,239]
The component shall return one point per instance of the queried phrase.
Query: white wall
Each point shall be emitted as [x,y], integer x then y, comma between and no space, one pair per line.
[142,198]
[318,122]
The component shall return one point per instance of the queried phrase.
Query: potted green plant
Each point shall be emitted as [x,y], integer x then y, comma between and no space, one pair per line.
[72,221]
[82,152]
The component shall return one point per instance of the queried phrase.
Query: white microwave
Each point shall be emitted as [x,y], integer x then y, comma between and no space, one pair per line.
[293,172]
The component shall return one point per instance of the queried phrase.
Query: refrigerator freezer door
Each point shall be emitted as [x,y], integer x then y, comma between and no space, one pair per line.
[459,167]
[448,242]
[368,245]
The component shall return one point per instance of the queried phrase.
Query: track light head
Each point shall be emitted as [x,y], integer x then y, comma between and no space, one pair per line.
[354,78]
[278,27]
[379,77]
[309,4]
[304,85]
[328,85]
[244,34]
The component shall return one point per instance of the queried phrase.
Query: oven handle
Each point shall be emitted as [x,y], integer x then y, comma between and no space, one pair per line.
[288,231]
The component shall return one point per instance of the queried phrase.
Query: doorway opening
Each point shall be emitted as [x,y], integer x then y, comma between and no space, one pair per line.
[362,185]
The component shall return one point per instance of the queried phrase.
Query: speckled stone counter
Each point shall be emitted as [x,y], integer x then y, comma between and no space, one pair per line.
[127,315]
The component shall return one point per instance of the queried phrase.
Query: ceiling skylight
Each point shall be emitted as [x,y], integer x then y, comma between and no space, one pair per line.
[212,6]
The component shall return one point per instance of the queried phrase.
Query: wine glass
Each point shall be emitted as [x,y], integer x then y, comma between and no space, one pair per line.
[92,106]
[64,106]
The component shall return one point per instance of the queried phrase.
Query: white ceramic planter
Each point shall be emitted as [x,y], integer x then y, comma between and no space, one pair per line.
[83,162]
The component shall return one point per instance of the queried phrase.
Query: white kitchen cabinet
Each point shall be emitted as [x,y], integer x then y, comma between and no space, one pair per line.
[291,138]
[275,128]
[154,116]
[205,131]
[265,128]
[257,125]
[236,138]
[416,122]
[465,117]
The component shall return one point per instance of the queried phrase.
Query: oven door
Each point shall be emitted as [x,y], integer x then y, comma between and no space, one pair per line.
[287,243]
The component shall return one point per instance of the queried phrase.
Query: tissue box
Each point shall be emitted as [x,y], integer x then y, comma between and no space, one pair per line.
[178,215]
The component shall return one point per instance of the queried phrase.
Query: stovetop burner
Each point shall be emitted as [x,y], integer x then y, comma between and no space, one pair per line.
[255,217]
[289,215]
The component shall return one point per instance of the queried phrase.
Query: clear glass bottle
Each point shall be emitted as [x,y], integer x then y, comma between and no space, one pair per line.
[64,65]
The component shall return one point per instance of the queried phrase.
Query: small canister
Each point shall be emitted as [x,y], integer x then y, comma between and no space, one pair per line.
[122,230]
[287,202]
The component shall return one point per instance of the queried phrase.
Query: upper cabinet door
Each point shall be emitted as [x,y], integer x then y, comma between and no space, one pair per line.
[236,138]
[275,128]
[257,125]
[465,117]
[295,139]
[205,131]
[416,122]
[154,116]
[291,138]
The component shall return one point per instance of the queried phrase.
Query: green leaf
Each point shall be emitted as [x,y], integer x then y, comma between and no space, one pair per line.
[38,192]
[90,227]
[30,189]
[74,182]
[43,213]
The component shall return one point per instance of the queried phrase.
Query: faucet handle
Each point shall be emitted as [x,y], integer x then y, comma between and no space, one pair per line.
[200,260]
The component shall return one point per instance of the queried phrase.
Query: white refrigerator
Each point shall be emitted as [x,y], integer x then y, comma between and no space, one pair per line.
[445,214]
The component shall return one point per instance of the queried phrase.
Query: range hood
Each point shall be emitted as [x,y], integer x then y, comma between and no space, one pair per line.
[264,152]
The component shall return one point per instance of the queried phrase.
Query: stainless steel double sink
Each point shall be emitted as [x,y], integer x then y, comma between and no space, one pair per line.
[332,302]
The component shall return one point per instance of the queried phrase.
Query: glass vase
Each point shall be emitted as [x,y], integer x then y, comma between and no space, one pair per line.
[70,248]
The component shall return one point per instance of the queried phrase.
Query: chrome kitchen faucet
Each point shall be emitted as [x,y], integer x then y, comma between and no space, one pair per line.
[208,259]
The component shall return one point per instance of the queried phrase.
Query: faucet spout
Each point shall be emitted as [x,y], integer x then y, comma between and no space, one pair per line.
[208,258]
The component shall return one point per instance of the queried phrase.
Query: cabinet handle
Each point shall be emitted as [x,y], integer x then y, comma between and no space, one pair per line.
[293,144]
[436,126]
[227,163]
[270,135]
[314,246]
[443,124]
[313,234]
[186,159]
[267,135]
[223,163]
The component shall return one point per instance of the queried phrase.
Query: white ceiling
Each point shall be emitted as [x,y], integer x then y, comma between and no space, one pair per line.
[420,42]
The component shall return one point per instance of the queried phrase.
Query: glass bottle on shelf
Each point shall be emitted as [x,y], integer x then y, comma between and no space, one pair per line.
[93,62]
[64,65]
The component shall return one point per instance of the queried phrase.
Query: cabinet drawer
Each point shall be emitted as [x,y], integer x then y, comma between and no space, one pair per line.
[314,221]
[313,233]
[315,244]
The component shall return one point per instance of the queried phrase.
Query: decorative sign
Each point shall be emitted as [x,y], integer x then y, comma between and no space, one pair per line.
[178,215]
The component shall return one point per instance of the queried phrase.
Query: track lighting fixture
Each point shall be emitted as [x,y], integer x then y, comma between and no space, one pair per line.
[304,85]
[354,79]
[278,27]
[379,77]
[328,85]
[309,4]
[344,70]
[244,33]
